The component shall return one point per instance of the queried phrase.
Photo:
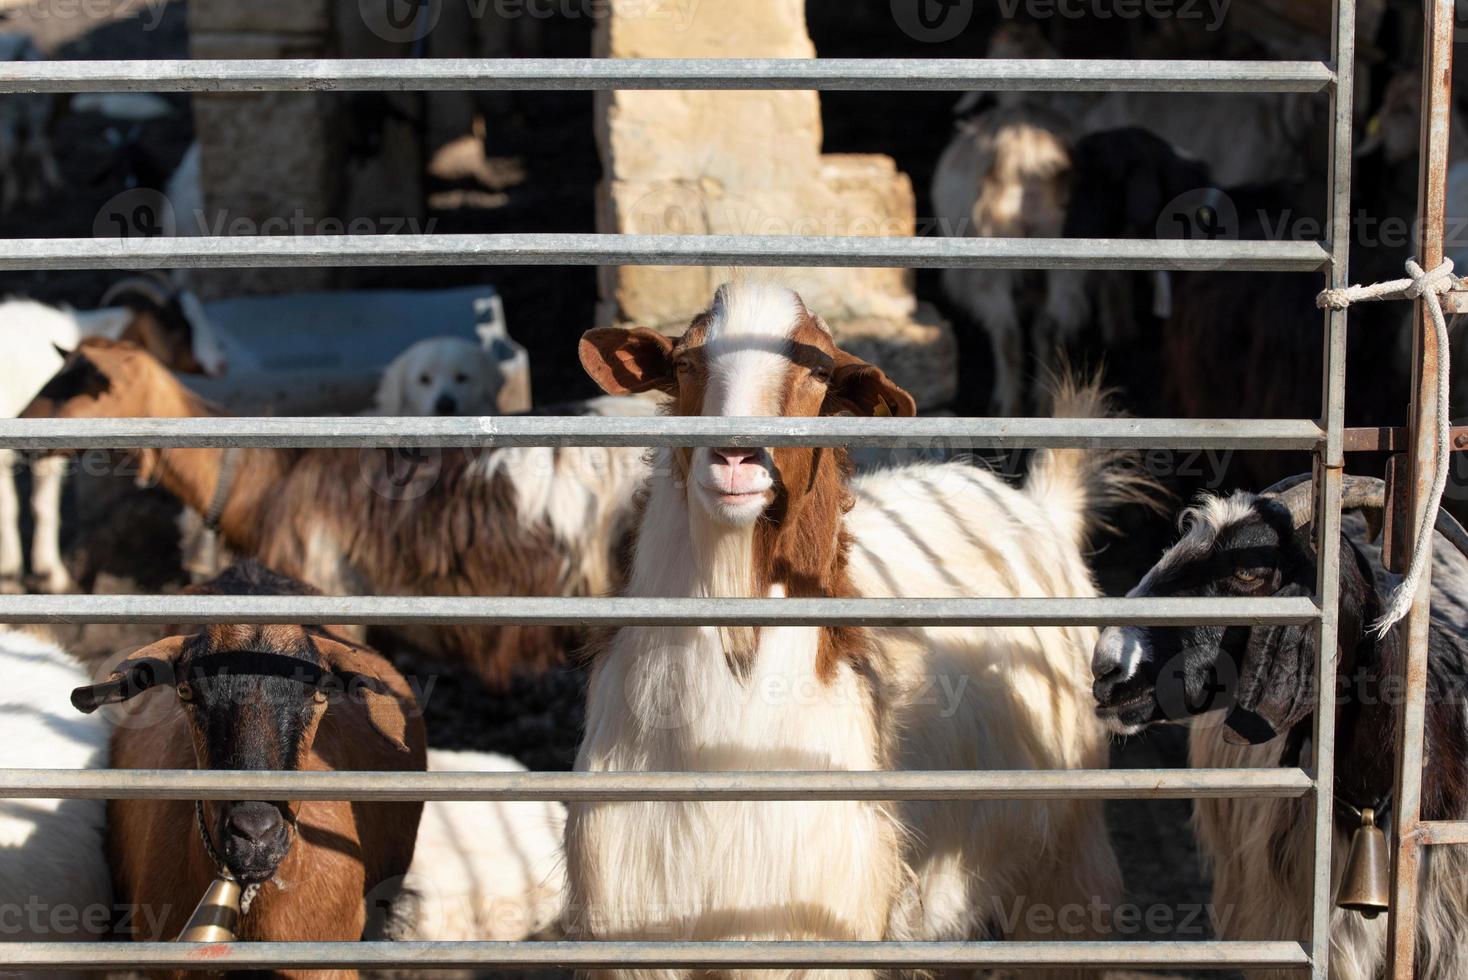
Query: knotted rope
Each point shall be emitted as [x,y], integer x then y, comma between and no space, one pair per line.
[1429,287]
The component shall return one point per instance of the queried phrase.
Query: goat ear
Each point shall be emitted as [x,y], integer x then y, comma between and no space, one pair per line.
[625,362]
[1273,695]
[859,388]
[60,350]
[148,667]
[372,682]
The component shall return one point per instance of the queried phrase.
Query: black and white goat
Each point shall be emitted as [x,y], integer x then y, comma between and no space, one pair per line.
[1250,693]
[28,167]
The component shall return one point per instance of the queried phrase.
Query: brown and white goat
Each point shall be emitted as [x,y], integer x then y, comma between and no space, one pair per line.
[792,522]
[386,522]
[171,325]
[261,698]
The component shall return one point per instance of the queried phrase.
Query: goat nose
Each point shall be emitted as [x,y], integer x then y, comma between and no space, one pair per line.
[1107,681]
[733,455]
[255,823]
[445,405]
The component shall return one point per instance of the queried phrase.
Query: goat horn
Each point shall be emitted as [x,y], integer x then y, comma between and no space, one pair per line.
[1293,493]
[1357,493]
[152,287]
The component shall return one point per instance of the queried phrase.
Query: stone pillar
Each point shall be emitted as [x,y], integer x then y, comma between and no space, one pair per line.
[725,163]
[264,156]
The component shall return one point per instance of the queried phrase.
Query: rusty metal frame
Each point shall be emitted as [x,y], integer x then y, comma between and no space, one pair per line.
[1328,438]
[1412,478]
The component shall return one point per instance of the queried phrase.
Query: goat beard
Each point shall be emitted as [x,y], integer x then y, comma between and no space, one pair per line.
[724,557]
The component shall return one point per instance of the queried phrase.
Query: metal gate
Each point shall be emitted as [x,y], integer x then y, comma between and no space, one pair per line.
[1326,438]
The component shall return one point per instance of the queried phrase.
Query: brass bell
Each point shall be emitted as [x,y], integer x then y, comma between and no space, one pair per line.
[1366,884]
[216,919]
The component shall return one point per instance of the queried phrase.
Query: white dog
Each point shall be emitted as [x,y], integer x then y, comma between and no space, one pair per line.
[442,376]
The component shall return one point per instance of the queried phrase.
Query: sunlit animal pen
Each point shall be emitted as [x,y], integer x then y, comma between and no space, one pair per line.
[840,717]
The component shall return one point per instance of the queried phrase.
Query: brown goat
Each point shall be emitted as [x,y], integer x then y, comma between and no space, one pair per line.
[261,698]
[385,522]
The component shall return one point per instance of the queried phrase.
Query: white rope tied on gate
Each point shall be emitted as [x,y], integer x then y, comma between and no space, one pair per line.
[1429,287]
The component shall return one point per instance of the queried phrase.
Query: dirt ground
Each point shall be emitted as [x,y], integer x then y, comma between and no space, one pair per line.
[122,539]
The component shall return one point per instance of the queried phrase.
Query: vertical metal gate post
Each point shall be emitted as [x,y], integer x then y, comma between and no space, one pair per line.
[1407,839]
[1329,467]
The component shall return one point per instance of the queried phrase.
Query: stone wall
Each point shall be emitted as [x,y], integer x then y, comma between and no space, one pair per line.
[263,155]
[750,163]
[293,162]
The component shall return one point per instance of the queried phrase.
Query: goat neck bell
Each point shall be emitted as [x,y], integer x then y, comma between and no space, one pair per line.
[216,919]
[1365,886]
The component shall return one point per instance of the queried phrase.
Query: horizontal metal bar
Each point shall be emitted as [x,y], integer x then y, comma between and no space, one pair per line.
[564,611]
[1393,439]
[488,431]
[601,74]
[1444,831]
[622,955]
[1200,955]
[248,251]
[584,787]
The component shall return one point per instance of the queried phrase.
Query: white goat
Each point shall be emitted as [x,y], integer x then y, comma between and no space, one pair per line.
[33,336]
[750,522]
[54,882]
[483,869]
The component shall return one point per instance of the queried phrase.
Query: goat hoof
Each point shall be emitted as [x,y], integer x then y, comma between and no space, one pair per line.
[53,583]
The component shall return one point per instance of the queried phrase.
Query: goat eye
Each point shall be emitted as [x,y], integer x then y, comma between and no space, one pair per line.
[320,695]
[821,374]
[1250,576]
[682,366]
[185,692]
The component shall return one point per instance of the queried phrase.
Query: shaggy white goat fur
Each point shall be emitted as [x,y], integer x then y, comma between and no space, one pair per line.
[582,493]
[54,882]
[666,699]
[484,870]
